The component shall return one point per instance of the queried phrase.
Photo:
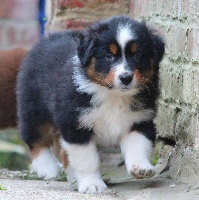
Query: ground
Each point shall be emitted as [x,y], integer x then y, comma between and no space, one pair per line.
[14,185]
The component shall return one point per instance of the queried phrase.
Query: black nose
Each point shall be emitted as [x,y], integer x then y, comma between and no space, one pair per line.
[126,78]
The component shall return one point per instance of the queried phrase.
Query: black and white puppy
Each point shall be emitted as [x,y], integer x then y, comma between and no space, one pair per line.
[98,86]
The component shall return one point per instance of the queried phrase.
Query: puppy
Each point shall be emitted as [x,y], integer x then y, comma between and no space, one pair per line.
[10,61]
[98,86]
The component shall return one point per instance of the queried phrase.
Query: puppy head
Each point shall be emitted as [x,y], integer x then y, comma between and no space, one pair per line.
[120,53]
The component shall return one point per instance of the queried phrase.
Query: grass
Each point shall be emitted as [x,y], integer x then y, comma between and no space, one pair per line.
[2,187]
[12,152]
[74,182]
[155,160]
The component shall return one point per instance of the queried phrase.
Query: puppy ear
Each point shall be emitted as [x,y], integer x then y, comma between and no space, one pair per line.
[158,45]
[85,49]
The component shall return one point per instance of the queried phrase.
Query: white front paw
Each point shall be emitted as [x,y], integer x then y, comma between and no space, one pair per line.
[92,187]
[142,170]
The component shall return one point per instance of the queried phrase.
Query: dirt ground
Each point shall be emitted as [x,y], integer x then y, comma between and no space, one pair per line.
[121,186]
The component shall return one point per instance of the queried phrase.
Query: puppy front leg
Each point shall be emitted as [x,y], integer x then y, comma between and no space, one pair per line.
[85,161]
[137,150]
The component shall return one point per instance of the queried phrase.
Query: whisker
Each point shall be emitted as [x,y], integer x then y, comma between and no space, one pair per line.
[145,86]
[149,81]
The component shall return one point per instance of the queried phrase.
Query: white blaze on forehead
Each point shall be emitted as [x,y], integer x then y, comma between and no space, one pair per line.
[124,34]
[120,69]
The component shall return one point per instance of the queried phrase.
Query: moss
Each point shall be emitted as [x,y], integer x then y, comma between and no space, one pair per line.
[11,135]
[13,161]
[11,156]
[155,159]
[2,187]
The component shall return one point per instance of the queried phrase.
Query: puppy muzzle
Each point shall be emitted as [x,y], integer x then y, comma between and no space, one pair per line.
[126,78]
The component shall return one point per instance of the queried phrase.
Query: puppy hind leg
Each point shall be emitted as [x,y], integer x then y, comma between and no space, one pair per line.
[44,162]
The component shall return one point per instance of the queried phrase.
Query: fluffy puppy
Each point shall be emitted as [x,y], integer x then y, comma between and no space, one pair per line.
[96,87]
[10,61]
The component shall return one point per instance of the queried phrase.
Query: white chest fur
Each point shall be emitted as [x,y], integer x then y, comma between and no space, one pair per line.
[111,116]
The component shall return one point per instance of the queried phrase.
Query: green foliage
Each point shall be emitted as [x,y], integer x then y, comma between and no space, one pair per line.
[13,161]
[11,155]
[155,158]
[11,135]
[2,187]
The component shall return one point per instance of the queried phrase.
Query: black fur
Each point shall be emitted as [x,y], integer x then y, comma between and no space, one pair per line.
[46,92]
[146,128]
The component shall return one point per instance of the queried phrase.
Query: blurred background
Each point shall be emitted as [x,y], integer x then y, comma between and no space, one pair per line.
[19,27]
[19,23]
[22,23]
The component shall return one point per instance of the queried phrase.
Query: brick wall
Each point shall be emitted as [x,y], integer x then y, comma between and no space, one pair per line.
[177,20]
[178,105]
[18,23]
[78,14]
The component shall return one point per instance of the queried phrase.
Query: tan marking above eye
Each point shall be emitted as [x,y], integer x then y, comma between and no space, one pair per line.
[113,49]
[134,47]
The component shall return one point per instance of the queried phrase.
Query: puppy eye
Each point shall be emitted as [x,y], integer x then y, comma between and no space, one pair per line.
[137,56]
[110,57]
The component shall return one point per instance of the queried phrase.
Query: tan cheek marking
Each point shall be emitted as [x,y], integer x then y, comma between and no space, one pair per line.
[113,49]
[137,76]
[91,70]
[150,73]
[145,77]
[134,47]
[99,78]
[109,80]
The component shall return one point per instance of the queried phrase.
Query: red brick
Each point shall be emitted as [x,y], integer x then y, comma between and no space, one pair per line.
[64,4]
[76,24]
[12,35]
[1,34]
[22,35]
[193,44]
[6,8]
[19,9]
[112,1]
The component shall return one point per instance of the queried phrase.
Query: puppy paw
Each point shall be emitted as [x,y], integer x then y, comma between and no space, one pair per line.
[46,165]
[141,171]
[51,171]
[93,189]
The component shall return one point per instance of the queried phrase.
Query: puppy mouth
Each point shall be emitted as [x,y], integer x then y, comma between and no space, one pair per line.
[124,88]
